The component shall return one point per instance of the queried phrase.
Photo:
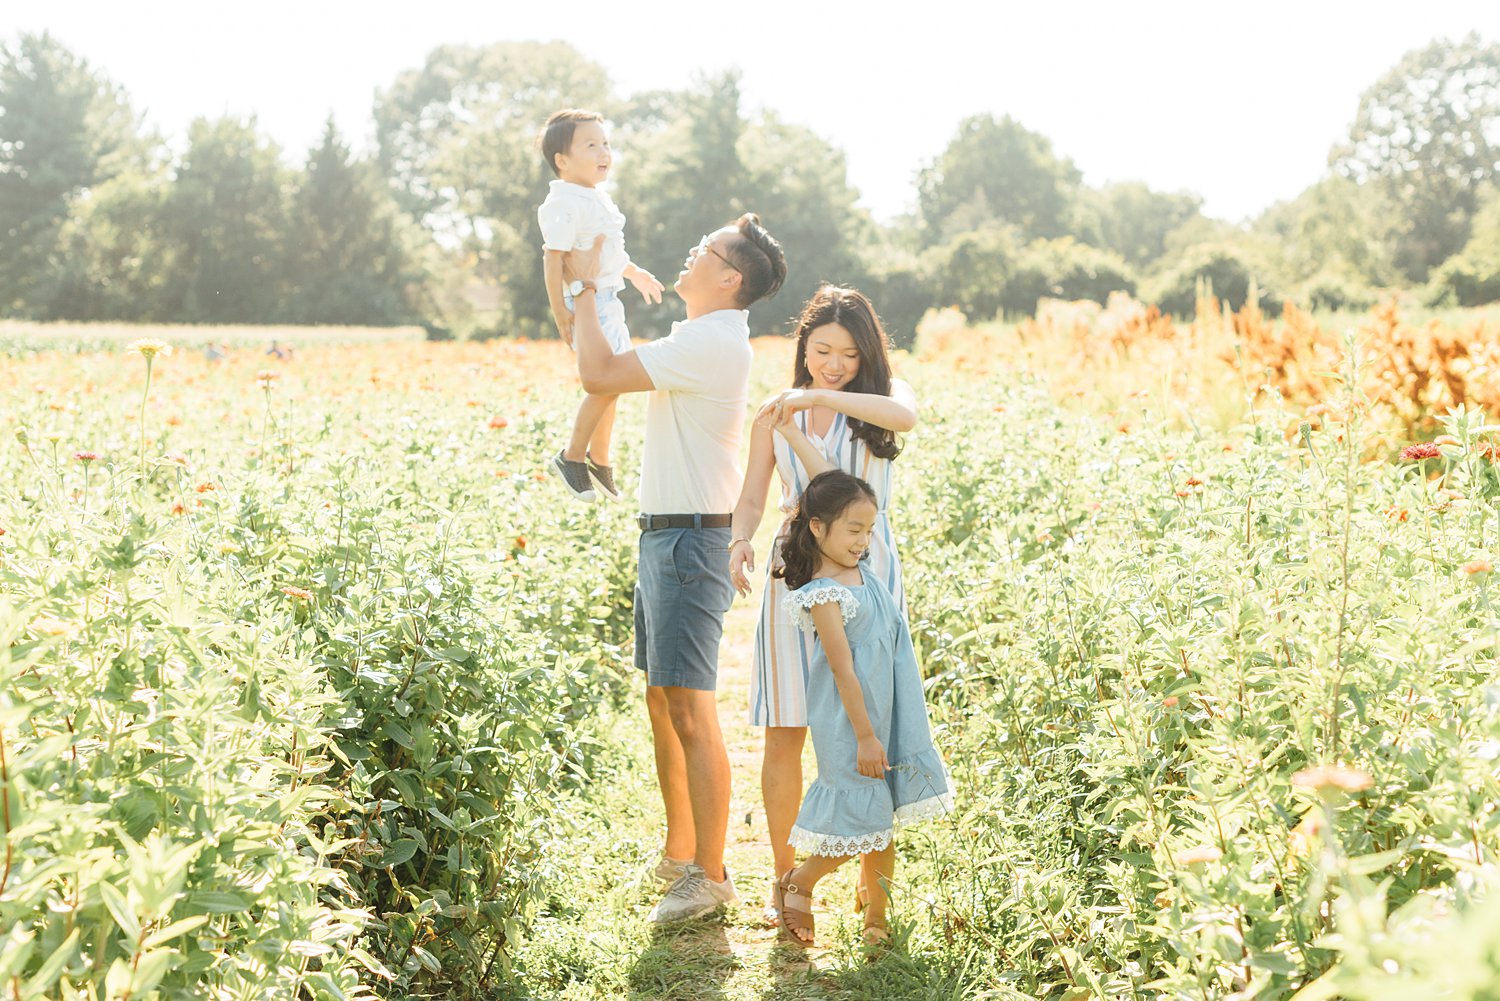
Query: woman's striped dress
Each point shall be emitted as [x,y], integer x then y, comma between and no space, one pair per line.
[783,653]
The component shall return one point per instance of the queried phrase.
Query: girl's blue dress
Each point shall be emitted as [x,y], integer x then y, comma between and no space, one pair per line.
[844,812]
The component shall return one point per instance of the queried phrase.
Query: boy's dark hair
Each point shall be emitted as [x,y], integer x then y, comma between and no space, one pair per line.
[850,309]
[557,134]
[825,498]
[757,256]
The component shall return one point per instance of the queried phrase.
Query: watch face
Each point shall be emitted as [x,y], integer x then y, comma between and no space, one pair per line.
[575,287]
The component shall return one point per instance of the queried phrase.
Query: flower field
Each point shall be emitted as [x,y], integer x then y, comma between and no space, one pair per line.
[312,686]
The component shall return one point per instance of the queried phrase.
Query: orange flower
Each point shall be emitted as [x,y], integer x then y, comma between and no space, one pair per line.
[1396,514]
[1202,853]
[177,508]
[520,542]
[206,486]
[1477,566]
[299,593]
[1446,439]
[1169,701]
[1333,777]
[499,422]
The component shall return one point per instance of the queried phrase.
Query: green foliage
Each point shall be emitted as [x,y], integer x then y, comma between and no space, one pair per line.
[998,172]
[63,128]
[1426,135]
[355,257]
[1134,221]
[1335,228]
[1227,274]
[973,270]
[1064,269]
[1472,276]
[291,723]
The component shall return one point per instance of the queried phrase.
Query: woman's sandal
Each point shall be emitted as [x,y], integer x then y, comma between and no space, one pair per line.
[876,937]
[861,895]
[793,919]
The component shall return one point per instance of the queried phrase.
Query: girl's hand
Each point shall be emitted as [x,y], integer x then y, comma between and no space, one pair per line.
[870,758]
[741,559]
[646,284]
[779,409]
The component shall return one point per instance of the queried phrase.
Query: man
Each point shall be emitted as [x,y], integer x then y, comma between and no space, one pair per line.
[698,377]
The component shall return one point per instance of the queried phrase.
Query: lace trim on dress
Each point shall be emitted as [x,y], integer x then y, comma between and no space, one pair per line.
[836,845]
[925,809]
[799,603]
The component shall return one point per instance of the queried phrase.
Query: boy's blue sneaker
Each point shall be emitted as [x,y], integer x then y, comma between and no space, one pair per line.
[603,477]
[575,476]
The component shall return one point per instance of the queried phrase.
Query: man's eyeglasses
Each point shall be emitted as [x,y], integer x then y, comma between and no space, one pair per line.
[703,245]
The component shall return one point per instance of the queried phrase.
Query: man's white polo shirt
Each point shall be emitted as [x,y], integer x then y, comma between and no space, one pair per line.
[694,419]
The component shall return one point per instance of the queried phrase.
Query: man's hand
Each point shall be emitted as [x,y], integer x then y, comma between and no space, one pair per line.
[564,323]
[645,283]
[583,264]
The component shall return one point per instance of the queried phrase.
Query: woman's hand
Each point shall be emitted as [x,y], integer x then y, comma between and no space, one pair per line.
[583,264]
[741,560]
[870,758]
[780,408]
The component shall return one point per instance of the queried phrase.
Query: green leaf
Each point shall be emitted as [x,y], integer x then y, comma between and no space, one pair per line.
[119,909]
[400,852]
[218,901]
[175,929]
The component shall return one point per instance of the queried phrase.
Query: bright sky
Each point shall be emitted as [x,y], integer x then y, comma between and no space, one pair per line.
[1237,102]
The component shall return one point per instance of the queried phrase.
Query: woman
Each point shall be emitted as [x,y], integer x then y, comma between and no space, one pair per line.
[842,412]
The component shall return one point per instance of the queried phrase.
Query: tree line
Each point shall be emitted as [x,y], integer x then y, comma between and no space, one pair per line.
[101,220]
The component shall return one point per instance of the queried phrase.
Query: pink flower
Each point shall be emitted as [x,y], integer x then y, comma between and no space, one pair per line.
[1333,776]
[1203,853]
[86,456]
[1425,450]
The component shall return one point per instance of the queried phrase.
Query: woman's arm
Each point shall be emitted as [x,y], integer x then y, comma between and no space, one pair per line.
[896,412]
[750,508]
[828,619]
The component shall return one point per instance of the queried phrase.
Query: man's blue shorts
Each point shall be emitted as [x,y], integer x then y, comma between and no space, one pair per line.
[681,595]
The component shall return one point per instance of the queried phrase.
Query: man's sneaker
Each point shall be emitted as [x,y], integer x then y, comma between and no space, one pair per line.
[575,476]
[669,870]
[603,476]
[693,895]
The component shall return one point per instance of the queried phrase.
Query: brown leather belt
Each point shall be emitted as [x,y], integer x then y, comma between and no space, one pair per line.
[652,522]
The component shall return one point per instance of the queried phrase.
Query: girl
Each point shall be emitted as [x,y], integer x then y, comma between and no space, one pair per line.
[842,412]
[877,767]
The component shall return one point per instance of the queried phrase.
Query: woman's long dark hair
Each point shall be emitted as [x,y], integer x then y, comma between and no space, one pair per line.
[851,310]
[828,495]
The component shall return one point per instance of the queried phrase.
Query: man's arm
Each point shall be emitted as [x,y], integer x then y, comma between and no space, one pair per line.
[602,372]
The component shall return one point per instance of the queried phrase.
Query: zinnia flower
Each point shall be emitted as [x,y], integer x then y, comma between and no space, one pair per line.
[1203,853]
[499,422]
[1425,450]
[149,347]
[1333,777]
[299,593]
[1477,566]
[265,378]
[86,456]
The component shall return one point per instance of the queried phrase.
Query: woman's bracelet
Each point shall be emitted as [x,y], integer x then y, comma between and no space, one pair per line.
[736,542]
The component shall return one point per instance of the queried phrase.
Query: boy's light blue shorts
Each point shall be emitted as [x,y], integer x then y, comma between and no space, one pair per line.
[611,318]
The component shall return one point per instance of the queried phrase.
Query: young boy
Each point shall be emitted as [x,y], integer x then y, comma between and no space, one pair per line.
[576,211]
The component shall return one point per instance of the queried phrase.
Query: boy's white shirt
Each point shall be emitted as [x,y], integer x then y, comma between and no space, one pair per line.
[701,371]
[573,214]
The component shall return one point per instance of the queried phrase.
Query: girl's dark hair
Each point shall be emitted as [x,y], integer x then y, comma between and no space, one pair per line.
[828,495]
[557,134]
[758,258]
[851,310]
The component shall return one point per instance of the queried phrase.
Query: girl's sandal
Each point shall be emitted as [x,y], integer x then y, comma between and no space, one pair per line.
[793,919]
[861,895]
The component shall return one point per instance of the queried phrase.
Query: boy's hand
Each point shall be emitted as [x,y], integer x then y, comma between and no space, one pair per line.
[646,284]
[565,327]
[583,264]
[870,758]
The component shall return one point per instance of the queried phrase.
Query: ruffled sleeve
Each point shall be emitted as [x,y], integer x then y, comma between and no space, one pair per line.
[799,604]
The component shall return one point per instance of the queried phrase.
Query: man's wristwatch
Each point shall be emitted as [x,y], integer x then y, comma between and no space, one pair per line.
[575,288]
